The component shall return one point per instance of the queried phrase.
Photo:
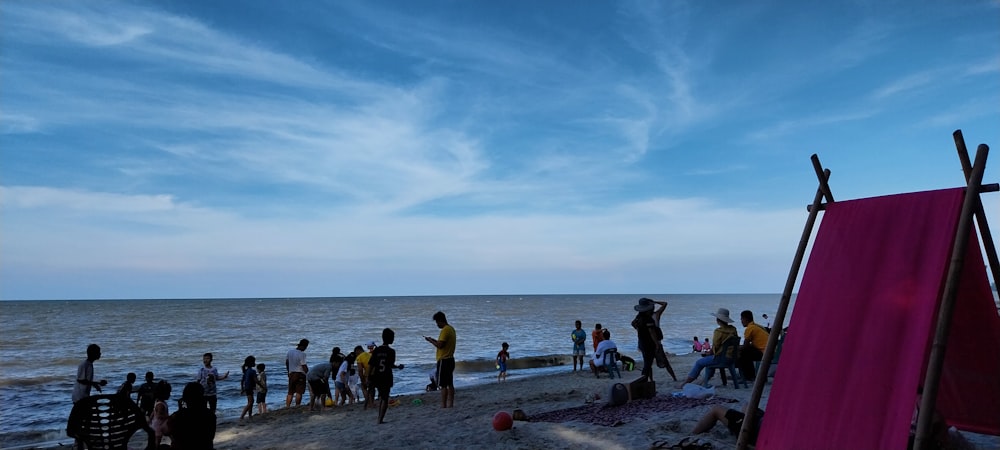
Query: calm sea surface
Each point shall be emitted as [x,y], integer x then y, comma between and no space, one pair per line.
[42,342]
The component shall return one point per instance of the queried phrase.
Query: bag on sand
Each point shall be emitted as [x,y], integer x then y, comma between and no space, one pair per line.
[642,388]
[692,390]
[618,395]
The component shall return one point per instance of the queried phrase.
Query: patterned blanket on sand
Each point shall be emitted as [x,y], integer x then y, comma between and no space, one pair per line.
[611,416]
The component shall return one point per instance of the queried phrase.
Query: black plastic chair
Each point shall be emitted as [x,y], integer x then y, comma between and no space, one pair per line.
[726,359]
[107,422]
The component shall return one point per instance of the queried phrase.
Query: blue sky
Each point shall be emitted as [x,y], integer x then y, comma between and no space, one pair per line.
[279,149]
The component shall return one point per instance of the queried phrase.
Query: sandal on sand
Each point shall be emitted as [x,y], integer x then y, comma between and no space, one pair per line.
[684,444]
[661,444]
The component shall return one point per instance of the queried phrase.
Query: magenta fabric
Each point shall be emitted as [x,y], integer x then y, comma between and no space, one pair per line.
[969,396]
[860,334]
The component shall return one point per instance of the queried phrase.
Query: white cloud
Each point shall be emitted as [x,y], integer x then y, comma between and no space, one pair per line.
[64,230]
[18,124]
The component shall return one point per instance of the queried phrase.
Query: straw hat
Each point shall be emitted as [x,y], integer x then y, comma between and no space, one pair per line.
[723,315]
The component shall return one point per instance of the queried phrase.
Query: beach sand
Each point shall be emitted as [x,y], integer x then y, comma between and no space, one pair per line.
[425,424]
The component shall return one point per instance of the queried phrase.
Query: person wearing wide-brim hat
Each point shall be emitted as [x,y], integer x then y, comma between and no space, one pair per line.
[723,315]
[721,334]
[650,337]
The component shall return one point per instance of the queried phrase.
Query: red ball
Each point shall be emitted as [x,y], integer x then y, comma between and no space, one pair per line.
[502,421]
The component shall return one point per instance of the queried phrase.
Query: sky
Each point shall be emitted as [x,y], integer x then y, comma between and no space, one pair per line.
[191,149]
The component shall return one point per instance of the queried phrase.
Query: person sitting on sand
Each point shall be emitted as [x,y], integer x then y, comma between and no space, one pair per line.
[192,427]
[597,362]
[696,347]
[722,333]
[706,348]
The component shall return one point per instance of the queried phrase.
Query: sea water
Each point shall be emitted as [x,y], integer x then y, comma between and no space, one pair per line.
[42,342]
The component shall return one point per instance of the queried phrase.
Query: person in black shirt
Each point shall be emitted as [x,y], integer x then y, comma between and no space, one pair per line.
[380,365]
[145,395]
[192,427]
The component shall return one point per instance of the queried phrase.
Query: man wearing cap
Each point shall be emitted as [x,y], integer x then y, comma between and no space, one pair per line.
[295,364]
[362,363]
[721,334]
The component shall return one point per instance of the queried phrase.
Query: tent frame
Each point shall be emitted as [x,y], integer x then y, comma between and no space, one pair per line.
[972,206]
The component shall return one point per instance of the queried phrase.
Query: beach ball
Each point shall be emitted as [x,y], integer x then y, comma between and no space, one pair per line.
[502,421]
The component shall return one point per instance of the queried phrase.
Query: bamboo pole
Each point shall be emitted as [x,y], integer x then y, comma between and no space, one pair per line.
[947,308]
[779,318]
[984,227]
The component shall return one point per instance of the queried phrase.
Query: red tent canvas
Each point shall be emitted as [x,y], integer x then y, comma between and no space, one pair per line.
[861,331]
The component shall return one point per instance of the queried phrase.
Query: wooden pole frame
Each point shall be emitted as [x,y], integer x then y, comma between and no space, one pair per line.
[984,227]
[823,192]
[972,207]
[945,311]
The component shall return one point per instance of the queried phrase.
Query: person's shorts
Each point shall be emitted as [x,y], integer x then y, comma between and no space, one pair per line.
[503,367]
[734,421]
[296,383]
[340,385]
[383,391]
[446,372]
[579,350]
[262,397]
[319,387]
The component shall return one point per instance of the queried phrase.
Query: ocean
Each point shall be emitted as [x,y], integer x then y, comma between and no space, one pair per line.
[42,342]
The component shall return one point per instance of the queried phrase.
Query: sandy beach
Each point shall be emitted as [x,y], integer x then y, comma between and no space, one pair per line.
[420,422]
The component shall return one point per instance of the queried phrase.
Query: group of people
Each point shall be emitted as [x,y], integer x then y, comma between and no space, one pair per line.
[648,331]
[755,339]
[193,424]
[373,370]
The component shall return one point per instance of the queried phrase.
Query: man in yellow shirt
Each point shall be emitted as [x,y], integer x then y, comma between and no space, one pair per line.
[754,342]
[445,354]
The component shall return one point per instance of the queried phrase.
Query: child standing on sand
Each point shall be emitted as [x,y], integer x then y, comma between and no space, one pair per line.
[158,419]
[145,395]
[207,376]
[261,389]
[502,358]
[249,384]
[126,388]
[382,362]
[343,381]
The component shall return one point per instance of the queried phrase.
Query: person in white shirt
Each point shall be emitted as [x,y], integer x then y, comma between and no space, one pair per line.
[597,362]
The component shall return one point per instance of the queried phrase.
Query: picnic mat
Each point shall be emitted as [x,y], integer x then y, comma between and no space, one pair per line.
[612,416]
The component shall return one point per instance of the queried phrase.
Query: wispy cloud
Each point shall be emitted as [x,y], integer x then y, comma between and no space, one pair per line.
[905,84]
[786,127]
